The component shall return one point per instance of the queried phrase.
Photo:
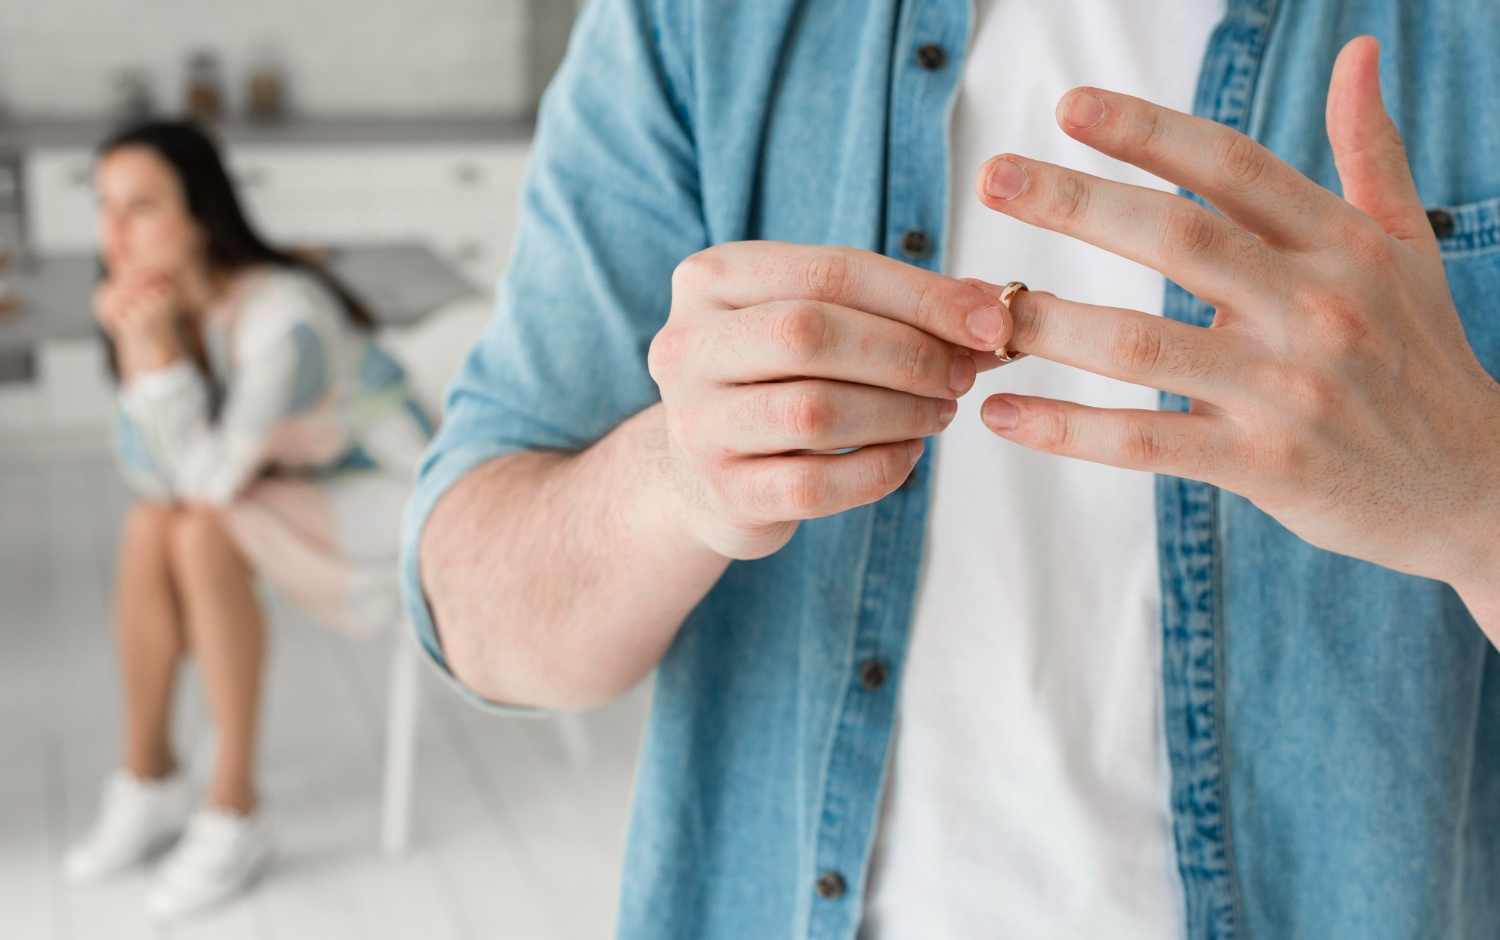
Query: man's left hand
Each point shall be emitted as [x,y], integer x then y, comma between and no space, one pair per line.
[1335,388]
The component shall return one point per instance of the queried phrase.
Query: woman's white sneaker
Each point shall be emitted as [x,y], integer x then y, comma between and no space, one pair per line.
[218,856]
[136,817]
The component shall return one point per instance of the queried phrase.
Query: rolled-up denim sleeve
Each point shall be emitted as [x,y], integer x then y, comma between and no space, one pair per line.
[610,205]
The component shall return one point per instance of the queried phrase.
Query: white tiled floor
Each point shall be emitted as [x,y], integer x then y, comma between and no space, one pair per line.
[510,839]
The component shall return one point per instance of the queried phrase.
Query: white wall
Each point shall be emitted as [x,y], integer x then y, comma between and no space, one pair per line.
[342,56]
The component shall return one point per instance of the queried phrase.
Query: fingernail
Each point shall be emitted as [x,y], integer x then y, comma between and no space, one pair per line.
[914,447]
[1085,110]
[947,408]
[1006,180]
[1000,414]
[985,325]
[961,376]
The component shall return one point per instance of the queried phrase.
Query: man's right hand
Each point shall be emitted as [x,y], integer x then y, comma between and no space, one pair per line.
[777,358]
[771,354]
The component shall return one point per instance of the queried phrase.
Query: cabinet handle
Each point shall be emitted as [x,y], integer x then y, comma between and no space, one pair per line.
[79,175]
[468,174]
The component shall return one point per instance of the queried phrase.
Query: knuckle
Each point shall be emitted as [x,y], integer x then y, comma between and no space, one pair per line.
[809,414]
[1277,455]
[917,363]
[932,301]
[1053,431]
[1140,346]
[1143,446]
[698,270]
[1191,234]
[1369,246]
[1070,199]
[1341,319]
[1242,162]
[890,471]
[827,274]
[664,355]
[805,488]
[1150,129]
[1315,395]
[800,331]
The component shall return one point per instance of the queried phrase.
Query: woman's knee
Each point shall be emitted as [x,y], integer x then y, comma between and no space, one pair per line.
[148,528]
[199,543]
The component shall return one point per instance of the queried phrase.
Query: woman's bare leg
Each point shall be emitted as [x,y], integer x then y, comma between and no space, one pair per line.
[227,633]
[150,638]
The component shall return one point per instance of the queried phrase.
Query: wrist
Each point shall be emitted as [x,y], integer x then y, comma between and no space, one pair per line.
[146,352]
[1476,542]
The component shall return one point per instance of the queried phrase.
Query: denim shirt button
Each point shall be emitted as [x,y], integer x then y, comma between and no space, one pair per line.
[931,56]
[872,674]
[831,885]
[915,244]
[1442,221]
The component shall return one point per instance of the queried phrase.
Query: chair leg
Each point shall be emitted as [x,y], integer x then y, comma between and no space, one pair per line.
[400,746]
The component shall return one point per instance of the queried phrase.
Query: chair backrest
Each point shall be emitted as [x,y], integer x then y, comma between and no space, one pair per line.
[433,348]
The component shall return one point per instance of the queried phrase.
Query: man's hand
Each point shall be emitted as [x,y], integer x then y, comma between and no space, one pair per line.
[776,357]
[1335,389]
[773,354]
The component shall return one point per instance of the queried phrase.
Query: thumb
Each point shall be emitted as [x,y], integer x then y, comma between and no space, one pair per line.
[1368,152]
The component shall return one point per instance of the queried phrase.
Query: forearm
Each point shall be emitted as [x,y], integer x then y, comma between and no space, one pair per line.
[138,355]
[560,580]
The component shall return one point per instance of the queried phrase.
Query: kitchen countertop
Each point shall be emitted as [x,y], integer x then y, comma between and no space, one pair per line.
[400,283]
[31,133]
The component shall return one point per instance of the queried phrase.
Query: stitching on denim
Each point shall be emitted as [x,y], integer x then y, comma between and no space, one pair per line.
[858,761]
[1193,661]
[851,793]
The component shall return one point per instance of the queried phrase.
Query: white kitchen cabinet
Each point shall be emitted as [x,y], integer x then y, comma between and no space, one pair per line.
[460,199]
[60,199]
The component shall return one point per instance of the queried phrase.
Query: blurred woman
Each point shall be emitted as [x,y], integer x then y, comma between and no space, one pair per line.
[265,434]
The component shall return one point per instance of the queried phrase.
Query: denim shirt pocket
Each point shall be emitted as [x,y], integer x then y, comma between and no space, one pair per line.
[1470,242]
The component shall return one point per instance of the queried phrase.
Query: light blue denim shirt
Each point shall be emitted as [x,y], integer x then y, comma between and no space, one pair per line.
[1333,727]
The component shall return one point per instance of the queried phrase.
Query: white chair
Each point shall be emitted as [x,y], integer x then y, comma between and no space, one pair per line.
[431,352]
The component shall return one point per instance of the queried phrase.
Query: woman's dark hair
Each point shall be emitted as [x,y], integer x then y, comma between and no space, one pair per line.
[211,200]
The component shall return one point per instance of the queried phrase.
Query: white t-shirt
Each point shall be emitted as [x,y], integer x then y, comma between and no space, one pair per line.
[1029,786]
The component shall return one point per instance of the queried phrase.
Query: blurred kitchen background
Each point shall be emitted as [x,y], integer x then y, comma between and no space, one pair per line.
[391,136]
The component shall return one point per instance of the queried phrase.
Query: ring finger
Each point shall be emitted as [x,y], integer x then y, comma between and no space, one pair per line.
[1127,345]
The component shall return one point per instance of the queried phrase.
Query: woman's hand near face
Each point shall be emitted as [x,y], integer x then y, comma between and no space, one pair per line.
[141,314]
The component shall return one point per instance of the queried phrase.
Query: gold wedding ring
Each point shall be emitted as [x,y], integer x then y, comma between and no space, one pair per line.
[1008,292]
